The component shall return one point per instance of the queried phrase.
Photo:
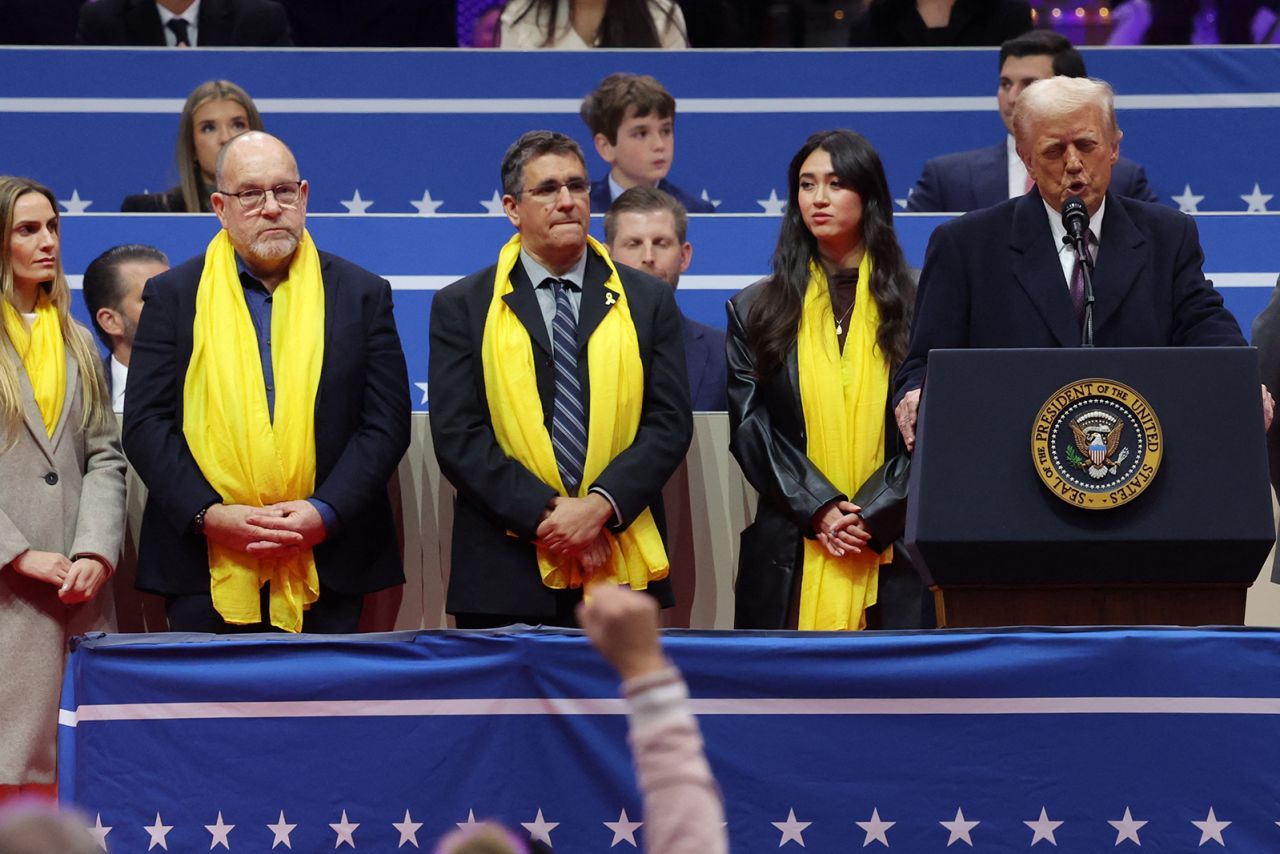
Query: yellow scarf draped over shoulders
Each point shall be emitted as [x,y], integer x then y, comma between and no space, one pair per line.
[616,376]
[43,355]
[246,456]
[843,395]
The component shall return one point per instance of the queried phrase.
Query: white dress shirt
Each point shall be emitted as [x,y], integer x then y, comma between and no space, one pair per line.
[1017,170]
[1066,253]
[119,376]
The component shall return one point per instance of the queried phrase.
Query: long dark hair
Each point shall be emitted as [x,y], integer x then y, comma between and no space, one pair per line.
[775,313]
[626,23]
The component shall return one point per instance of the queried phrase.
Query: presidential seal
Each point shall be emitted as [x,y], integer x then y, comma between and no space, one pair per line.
[1096,444]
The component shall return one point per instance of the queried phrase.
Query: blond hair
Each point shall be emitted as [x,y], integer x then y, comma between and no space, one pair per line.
[96,409]
[190,179]
[1055,97]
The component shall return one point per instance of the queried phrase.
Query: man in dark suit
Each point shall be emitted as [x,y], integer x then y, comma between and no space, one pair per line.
[361,409]
[632,118]
[560,318]
[1266,337]
[968,180]
[646,228]
[112,290]
[1002,276]
[218,23]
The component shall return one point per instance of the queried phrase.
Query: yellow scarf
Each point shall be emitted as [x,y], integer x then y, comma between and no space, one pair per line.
[246,457]
[617,397]
[43,355]
[843,395]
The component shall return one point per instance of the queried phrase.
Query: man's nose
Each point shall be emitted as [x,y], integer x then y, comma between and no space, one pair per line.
[271,205]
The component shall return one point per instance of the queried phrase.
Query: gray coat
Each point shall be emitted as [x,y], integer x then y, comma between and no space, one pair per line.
[64,494]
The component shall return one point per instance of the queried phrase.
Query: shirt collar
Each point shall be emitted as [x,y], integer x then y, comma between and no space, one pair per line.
[538,273]
[1059,231]
[615,189]
[191,16]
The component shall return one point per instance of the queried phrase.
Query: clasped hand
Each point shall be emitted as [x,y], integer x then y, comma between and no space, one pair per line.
[575,527]
[840,528]
[276,531]
[77,580]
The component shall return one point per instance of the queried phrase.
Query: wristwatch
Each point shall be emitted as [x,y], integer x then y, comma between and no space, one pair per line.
[197,521]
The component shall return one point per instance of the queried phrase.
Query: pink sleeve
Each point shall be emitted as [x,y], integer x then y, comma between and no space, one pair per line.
[683,810]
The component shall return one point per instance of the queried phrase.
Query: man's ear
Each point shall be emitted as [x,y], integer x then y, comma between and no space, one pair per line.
[686,256]
[604,148]
[110,321]
[511,208]
[219,204]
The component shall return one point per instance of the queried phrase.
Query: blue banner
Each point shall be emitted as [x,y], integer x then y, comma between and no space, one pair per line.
[395,125]
[422,254]
[1088,740]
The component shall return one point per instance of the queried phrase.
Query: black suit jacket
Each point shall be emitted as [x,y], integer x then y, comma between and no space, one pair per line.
[496,573]
[896,23]
[704,353]
[170,201]
[602,198]
[1266,337]
[969,180]
[991,278]
[362,431]
[221,23]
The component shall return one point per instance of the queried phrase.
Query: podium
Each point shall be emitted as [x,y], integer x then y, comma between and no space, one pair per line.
[1021,513]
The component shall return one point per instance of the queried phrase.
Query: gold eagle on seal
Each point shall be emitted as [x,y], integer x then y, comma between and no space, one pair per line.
[1098,448]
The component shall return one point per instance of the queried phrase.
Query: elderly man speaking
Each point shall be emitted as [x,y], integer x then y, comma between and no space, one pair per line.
[1002,276]
[268,406]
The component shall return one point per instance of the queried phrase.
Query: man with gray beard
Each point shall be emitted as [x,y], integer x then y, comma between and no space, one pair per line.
[268,407]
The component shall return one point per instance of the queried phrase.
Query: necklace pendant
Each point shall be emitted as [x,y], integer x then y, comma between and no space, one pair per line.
[839,328]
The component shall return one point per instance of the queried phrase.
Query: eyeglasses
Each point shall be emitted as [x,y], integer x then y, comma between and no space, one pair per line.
[549,191]
[286,195]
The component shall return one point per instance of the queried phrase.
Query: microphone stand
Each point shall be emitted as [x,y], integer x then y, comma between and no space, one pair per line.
[1086,273]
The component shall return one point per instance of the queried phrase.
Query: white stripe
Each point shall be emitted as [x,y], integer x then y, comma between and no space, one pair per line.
[1243,280]
[570,106]
[754,706]
[737,283]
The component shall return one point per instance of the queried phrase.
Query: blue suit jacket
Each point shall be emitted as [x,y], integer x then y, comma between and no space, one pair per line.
[991,278]
[708,373]
[601,198]
[969,180]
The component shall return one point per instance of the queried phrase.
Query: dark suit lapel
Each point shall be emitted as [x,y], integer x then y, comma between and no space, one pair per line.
[597,299]
[143,23]
[332,284]
[1035,266]
[1118,264]
[695,356]
[523,302]
[991,178]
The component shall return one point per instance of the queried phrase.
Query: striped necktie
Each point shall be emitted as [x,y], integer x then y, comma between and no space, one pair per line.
[568,419]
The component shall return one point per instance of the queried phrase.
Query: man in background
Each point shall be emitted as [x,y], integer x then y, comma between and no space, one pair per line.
[633,125]
[969,180]
[184,23]
[646,228]
[113,294]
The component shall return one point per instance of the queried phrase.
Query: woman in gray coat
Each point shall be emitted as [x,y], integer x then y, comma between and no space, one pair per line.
[62,484]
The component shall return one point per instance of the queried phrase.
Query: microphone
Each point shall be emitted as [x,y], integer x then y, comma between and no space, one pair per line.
[1075,218]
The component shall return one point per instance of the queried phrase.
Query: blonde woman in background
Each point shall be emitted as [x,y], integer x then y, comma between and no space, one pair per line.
[217,111]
